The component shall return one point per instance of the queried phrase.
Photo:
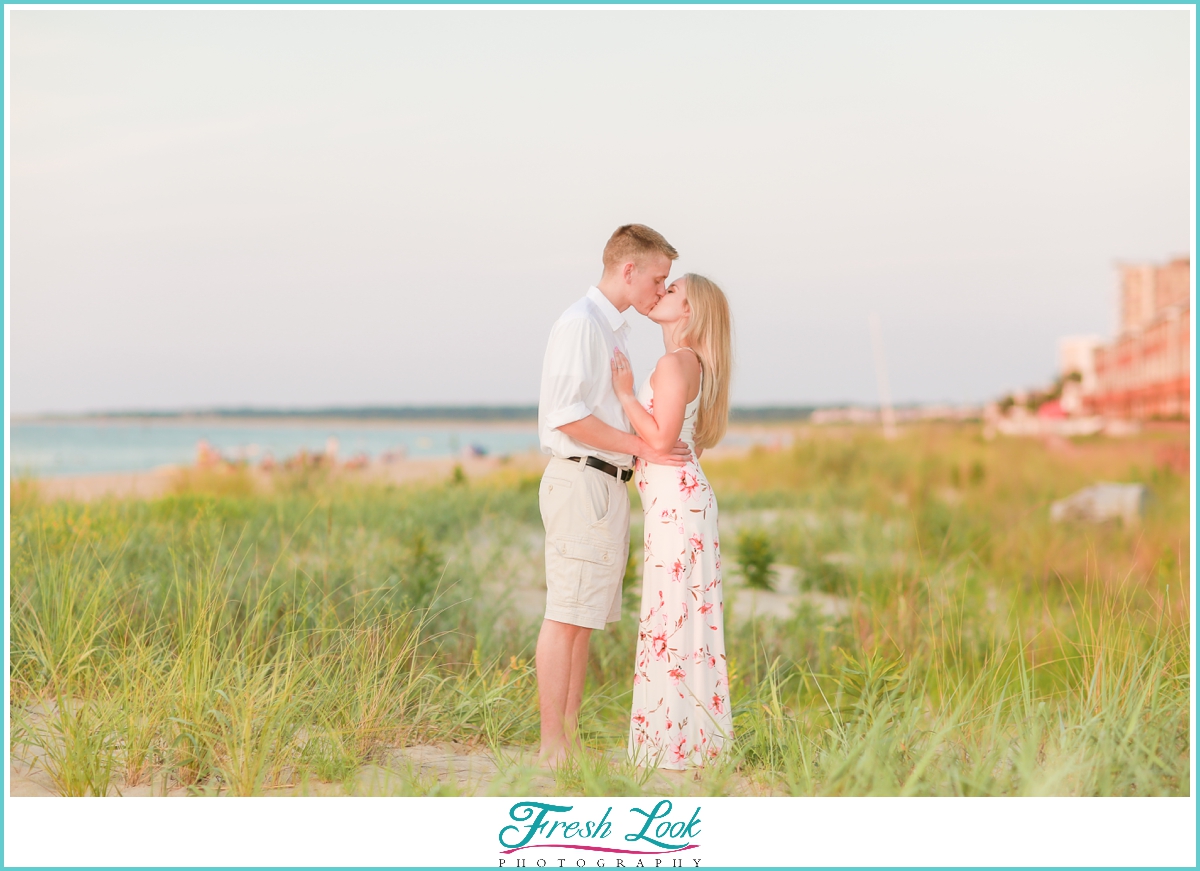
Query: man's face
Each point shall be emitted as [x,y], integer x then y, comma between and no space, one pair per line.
[648,282]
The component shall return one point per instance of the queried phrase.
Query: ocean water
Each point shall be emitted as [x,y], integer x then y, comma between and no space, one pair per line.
[54,448]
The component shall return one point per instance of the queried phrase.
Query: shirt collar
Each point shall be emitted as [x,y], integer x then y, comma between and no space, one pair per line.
[615,319]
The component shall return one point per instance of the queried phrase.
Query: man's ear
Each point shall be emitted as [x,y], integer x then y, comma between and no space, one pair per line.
[627,272]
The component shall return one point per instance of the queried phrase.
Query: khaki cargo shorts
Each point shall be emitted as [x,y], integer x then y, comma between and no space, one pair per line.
[586,515]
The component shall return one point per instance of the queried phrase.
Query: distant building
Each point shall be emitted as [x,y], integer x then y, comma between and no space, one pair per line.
[1077,357]
[1146,370]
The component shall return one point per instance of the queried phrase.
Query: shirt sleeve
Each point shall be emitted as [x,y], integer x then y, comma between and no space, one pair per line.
[575,358]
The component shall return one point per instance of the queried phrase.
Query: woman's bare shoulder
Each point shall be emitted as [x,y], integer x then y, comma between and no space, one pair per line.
[676,369]
[688,359]
[669,366]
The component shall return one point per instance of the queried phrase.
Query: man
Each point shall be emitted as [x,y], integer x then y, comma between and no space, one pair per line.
[584,501]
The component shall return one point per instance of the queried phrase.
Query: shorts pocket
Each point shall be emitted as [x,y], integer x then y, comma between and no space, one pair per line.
[594,566]
[595,497]
[550,484]
[588,549]
[553,495]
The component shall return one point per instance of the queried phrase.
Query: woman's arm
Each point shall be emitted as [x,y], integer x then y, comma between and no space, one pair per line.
[594,432]
[661,429]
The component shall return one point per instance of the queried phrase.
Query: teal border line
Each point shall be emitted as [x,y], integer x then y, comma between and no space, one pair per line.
[879,4]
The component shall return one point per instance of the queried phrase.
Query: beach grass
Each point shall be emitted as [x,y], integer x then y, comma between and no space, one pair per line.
[944,637]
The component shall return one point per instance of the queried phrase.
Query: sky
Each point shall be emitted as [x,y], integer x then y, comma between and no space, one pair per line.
[311,207]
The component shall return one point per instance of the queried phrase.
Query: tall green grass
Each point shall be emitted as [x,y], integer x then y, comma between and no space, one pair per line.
[222,639]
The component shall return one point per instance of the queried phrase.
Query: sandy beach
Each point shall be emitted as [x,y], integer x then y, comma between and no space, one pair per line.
[159,482]
[155,483]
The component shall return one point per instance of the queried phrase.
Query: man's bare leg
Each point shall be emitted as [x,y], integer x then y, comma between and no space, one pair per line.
[579,658]
[555,665]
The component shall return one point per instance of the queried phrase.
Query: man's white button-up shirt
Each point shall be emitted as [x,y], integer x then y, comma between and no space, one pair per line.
[577,376]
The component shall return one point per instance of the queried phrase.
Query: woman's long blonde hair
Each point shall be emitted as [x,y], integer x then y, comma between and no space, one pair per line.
[709,334]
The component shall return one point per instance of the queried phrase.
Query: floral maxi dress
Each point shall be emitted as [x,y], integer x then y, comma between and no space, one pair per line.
[681,713]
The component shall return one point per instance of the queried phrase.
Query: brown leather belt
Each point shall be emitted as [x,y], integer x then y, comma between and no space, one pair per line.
[606,468]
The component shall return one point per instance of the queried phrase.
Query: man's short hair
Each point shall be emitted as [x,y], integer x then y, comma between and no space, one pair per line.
[633,242]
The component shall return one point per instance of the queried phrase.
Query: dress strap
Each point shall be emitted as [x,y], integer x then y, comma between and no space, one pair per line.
[699,359]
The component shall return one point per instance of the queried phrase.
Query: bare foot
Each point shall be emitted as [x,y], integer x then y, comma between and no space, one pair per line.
[552,757]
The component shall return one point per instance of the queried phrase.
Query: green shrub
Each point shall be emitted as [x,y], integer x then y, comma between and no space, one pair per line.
[755,555]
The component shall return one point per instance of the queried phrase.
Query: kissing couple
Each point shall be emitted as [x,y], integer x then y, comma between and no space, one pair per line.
[600,434]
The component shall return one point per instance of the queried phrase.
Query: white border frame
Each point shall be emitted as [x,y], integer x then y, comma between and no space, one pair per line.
[462,832]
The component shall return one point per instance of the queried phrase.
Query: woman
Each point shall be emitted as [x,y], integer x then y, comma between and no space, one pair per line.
[681,714]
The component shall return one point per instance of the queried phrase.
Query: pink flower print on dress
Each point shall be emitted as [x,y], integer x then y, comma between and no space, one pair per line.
[660,644]
[713,751]
[639,716]
[679,748]
[677,571]
[688,482]
[682,657]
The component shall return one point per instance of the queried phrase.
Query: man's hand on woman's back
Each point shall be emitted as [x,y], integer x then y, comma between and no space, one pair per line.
[678,455]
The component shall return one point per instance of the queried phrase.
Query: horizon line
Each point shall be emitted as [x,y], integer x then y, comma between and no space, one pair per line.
[465,411]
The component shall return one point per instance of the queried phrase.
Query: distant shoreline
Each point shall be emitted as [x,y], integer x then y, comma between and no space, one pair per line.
[421,414]
[276,420]
[160,481]
[431,414]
